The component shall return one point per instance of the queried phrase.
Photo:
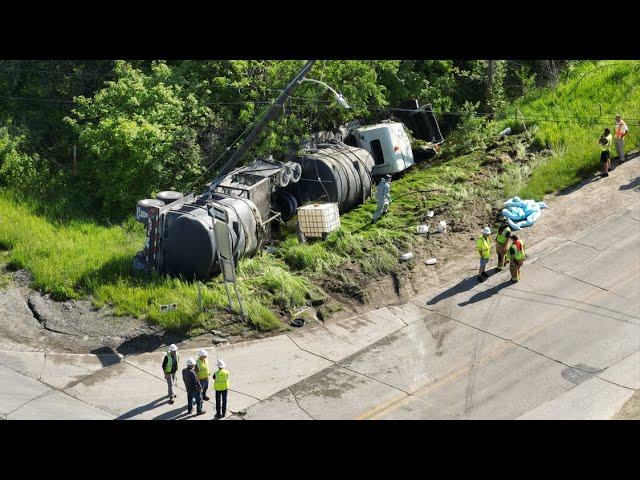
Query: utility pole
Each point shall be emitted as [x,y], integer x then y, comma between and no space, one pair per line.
[253,135]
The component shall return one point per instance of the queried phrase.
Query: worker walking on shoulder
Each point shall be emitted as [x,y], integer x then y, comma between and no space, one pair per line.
[516,255]
[202,371]
[221,386]
[502,240]
[383,197]
[605,156]
[483,245]
[193,387]
[170,367]
[621,132]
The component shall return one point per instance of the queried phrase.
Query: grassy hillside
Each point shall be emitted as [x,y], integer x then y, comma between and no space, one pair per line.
[73,259]
[77,258]
[571,118]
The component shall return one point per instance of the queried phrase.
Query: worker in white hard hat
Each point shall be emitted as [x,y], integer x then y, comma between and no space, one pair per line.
[193,387]
[221,386]
[170,367]
[202,370]
[483,245]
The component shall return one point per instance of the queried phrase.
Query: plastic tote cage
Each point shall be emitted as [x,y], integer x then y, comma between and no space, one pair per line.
[316,220]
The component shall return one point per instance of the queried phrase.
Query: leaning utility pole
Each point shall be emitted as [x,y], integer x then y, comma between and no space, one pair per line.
[253,135]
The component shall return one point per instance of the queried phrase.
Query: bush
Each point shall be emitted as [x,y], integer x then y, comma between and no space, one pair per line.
[17,169]
[138,135]
[472,129]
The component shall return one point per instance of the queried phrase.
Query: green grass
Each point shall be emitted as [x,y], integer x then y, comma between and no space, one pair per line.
[588,101]
[73,258]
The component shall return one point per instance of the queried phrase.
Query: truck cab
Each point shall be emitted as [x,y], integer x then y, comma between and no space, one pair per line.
[388,144]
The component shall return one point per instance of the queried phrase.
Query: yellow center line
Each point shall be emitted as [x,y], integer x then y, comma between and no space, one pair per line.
[404,398]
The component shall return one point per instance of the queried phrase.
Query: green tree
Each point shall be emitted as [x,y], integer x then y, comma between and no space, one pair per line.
[137,135]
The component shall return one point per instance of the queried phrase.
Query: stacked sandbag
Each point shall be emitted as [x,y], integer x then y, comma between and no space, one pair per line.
[522,213]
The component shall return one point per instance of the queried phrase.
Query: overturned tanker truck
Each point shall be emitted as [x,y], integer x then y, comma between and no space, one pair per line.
[180,239]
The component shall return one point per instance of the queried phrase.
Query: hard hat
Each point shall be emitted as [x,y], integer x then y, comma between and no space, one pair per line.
[486,231]
[191,361]
[173,348]
[387,177]
[202,352]
[220,363]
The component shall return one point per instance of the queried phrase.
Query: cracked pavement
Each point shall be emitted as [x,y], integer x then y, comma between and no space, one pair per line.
[562,343]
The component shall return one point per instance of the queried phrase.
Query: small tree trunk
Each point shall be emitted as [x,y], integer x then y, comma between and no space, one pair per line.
[489,92]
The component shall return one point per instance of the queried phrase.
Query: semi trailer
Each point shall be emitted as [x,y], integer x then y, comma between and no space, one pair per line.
[339,168]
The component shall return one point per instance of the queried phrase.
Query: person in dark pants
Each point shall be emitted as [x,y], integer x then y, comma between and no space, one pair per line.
[221,386]
[606,141]
[170,368]
[193,387]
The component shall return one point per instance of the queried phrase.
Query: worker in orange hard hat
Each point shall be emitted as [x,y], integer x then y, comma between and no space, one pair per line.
[516,255]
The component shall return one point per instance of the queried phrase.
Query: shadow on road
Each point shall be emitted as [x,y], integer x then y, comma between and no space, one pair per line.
[145,408]
[107,356]
[633,184]
[578,186]
[485,294]
[149,342]
[462,286]
[176,414]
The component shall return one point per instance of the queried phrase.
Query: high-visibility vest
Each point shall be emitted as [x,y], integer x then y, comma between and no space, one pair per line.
[620,130]
[221,381]
[520,253]
[607,146]
[169,366]
[484,247]
[203,369]
[502,238]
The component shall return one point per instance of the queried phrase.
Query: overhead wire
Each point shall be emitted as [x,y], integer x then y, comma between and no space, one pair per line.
[310,101]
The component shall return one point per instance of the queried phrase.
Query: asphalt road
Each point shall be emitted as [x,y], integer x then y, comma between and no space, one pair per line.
[563,343]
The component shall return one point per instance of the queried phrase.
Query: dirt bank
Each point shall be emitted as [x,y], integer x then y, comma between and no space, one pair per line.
[32,319]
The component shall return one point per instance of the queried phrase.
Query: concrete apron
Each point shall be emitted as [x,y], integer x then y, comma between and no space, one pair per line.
[562,344]
[41,384]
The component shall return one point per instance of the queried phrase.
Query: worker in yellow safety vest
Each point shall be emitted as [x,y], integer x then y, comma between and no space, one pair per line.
[170,367]
[516,255]
[483,245]
[605,155]
[221,385]
[502,239]
[202,371]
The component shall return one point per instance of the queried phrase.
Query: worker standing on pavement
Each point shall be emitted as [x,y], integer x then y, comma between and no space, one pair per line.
[483,245]
[621,132]
[221,386]
[383,197]
[516,255]
[202,370]
[502,240]
[170,367]
[193,387]
[605,156]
